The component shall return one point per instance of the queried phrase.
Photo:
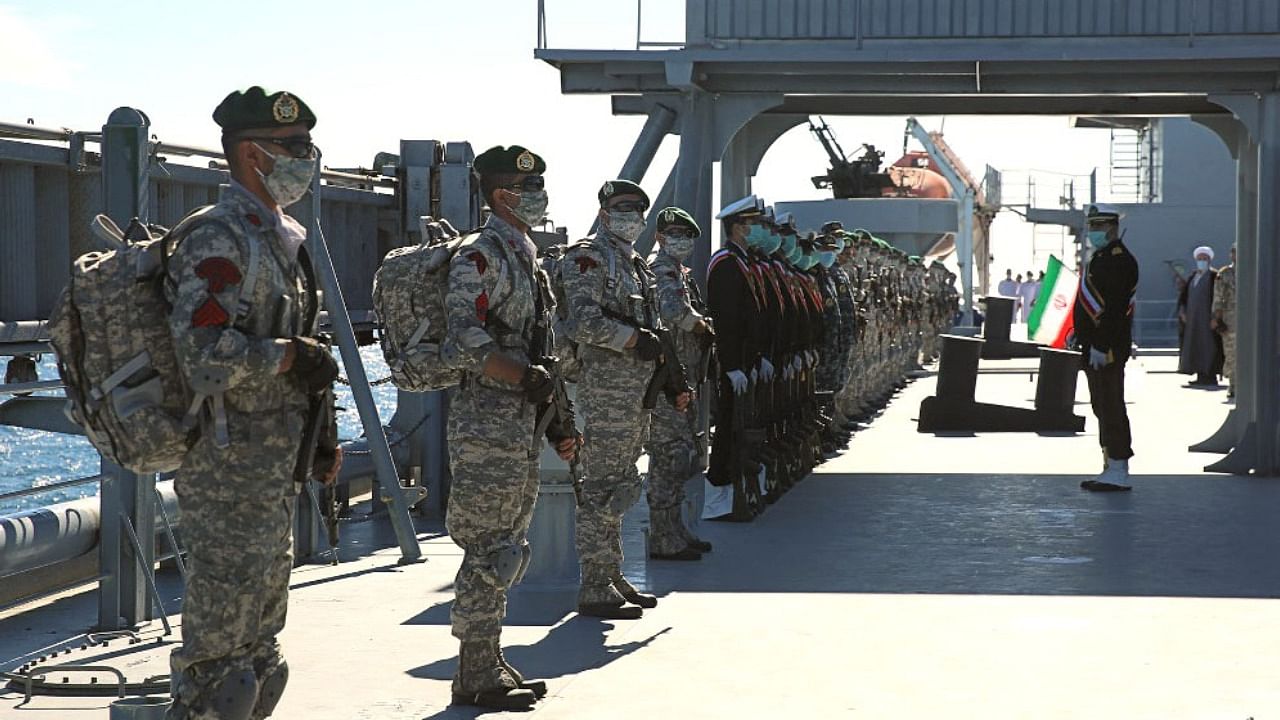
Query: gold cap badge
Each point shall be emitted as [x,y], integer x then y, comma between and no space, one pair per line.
[285,109]
[525,161]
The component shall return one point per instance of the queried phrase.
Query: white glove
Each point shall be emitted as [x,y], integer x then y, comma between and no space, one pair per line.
[1097,359]
[738,380]
[766,370]
[755,376]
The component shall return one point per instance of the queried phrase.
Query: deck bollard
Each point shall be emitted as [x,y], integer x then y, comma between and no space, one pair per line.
[1056,384]
[958,368]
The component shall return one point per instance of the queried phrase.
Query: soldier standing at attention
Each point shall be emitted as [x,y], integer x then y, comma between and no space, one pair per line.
[672,433]
[497,298]
[607,289]
[1103,325]
[243,320]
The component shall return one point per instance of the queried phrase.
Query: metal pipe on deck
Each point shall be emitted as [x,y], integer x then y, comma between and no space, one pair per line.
[57,533]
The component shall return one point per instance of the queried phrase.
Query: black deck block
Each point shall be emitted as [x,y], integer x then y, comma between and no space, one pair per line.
[995,328]
[938,414]
[958,367]
[1056,382]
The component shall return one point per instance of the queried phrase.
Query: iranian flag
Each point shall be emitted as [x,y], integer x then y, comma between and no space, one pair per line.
[1050,320]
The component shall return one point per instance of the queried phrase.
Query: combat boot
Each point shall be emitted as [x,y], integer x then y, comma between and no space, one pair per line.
[483,682]
[537,687]
[598,598]
[665,540]
[690,538]
[629,591]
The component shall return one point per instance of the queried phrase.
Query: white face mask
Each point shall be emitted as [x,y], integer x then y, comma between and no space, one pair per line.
[1202,265]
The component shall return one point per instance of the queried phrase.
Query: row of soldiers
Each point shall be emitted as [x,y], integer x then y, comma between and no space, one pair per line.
[632,329]
[815,332]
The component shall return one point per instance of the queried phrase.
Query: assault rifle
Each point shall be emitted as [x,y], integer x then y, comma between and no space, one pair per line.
[320,440]
[670,375]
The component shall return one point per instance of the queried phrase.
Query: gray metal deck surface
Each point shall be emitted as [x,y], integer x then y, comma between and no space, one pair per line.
[913,577]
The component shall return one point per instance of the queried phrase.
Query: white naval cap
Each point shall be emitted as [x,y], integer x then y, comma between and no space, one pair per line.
[1102,212]
[1203,250]
[749,205]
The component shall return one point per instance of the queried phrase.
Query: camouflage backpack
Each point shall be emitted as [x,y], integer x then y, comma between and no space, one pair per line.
[566,347]
[408,296]
[110,330]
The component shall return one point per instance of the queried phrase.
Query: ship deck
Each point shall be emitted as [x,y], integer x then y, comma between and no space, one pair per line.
[914,576]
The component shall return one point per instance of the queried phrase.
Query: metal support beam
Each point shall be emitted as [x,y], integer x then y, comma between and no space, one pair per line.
[1258,163]
[125,497]
[385,470]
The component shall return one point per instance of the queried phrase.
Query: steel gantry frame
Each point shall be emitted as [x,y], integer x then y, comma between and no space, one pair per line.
[747,74]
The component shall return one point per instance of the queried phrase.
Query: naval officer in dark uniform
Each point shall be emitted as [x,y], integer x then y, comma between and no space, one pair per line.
[1103,317]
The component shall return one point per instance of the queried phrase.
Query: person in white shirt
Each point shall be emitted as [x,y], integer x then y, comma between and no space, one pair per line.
[1027,292]
[1008,287]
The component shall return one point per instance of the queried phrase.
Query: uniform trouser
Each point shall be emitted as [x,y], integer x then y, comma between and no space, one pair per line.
[671,445]
[237,522]
[493,457]
[1106,393]
[719,472]
[615,425]
[1229,356]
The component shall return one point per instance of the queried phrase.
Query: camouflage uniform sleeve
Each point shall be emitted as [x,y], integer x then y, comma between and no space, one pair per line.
[1220,289]
[473,274]
[583,274]
[673,299]
[205,276]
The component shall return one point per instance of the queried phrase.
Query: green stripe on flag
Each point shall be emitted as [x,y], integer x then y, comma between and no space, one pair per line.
[1042,298]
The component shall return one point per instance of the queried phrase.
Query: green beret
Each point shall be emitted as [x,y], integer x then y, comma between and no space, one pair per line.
[514,160]
[255,109]
[675,217]
[614,188]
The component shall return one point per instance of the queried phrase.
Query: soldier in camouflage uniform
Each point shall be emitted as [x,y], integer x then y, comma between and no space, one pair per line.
[243,315]
[1224,319]
[672,434]
[497,299]
[607,288]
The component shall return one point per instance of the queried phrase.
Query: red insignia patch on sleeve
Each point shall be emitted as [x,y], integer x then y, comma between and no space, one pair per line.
[219,272]
[482,306]
[478,258]
[210,314]
[254,220]
[585,263]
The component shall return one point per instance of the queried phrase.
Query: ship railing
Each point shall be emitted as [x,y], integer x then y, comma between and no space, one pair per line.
[640,44]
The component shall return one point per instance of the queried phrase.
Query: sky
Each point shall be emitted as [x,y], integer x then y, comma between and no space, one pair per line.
[376,72]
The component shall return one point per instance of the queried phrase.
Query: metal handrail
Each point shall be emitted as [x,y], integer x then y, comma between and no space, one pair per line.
[51,486]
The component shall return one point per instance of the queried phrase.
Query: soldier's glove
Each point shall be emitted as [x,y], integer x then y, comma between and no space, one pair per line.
[1097,359]
[766,370]
[313,365]
[536,384]
[648,346]
[738,381]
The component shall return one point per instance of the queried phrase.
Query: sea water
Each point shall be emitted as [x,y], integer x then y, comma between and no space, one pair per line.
[30,458]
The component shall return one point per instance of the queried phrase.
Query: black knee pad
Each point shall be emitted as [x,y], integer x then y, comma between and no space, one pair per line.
[235,696]
[271,688]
